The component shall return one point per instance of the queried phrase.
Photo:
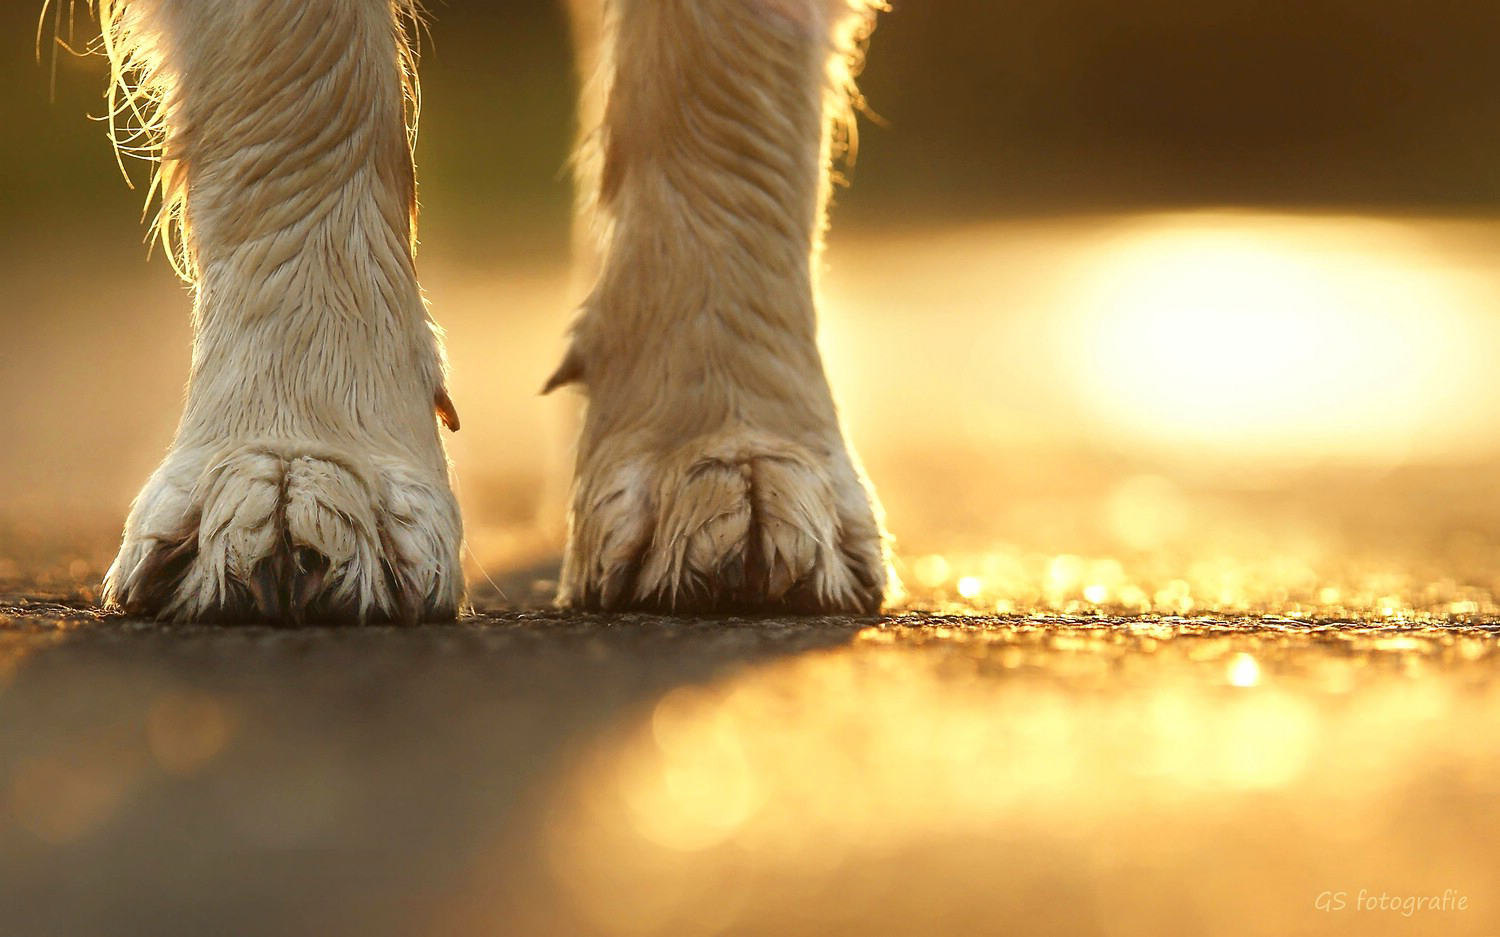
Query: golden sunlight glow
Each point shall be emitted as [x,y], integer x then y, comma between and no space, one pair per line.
[1282,337]
[969,586]
[1243,671]
[692,789]
[733,809]
[931,571]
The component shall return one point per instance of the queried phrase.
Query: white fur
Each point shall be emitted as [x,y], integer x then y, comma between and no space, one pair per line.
[712,471]
[307,475]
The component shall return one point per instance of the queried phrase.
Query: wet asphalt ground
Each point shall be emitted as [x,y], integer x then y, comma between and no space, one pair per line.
[526,771]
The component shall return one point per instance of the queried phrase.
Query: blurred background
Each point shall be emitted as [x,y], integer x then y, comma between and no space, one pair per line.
[1171,305]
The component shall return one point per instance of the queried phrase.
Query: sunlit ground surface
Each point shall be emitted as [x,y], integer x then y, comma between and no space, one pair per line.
[1199,525]
[1049,777]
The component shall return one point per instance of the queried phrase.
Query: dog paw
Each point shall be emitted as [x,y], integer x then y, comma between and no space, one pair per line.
[737,521]
[279,531]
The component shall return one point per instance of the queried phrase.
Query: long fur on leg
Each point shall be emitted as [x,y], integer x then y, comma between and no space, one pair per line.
[712,471]
[306,476]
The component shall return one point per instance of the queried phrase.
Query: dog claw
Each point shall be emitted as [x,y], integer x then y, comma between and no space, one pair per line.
[284,585]
[265,587]
[446,411]
[308,575]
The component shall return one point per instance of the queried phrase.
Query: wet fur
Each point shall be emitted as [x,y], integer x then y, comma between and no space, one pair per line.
[307,479]
[306,476]
[712,471]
